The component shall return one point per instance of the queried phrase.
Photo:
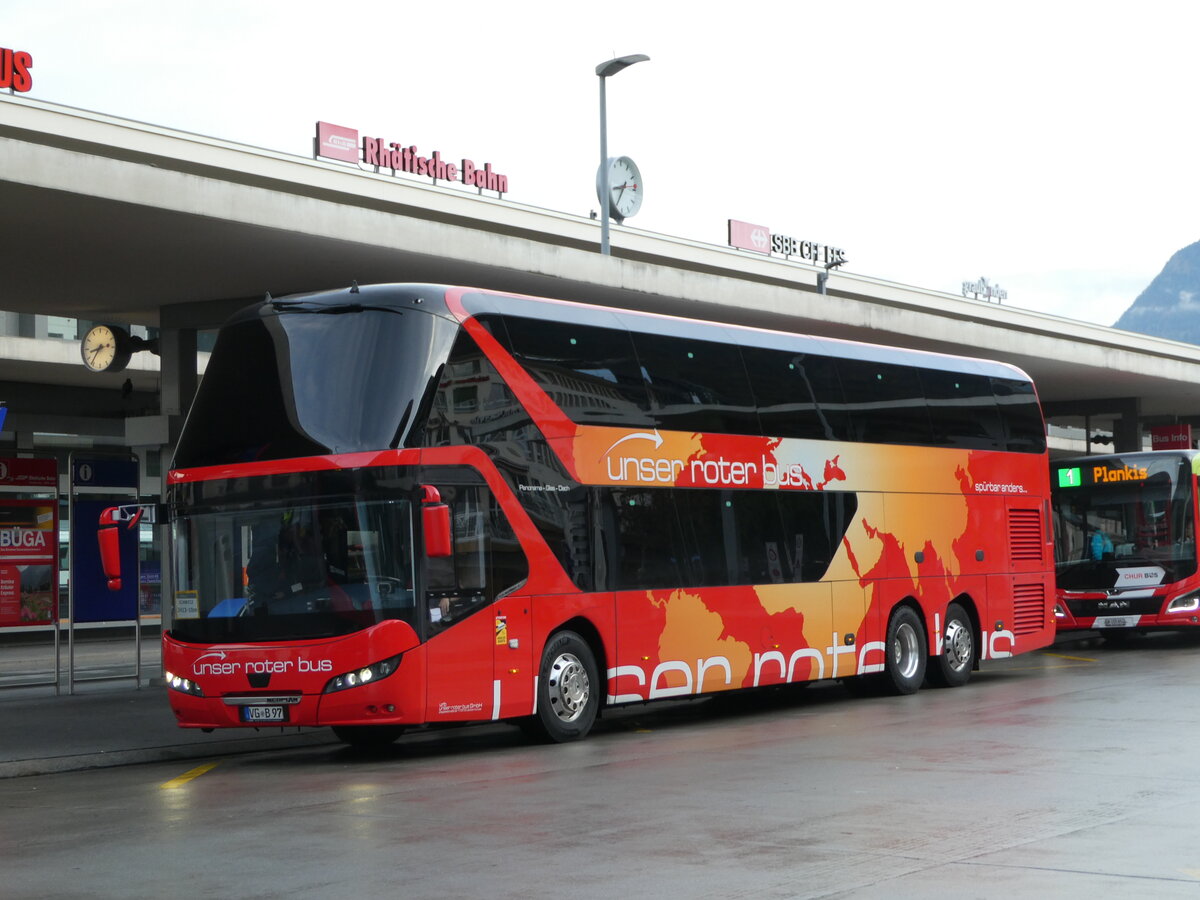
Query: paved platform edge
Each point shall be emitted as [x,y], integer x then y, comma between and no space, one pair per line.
[75,762]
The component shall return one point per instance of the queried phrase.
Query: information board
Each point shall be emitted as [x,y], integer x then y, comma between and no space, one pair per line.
[28,562]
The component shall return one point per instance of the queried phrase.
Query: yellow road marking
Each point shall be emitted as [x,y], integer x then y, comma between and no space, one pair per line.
[188,776]
[1076,658]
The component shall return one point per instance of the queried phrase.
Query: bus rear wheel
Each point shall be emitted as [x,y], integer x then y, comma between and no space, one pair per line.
[568,691]
[907,651]
[368,737]
[952,667]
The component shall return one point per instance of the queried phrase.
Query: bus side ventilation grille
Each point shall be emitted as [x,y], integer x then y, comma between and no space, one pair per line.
[1029,608]
[1025,535]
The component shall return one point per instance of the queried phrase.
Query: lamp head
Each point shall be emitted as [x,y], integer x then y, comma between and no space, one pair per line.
[613,66]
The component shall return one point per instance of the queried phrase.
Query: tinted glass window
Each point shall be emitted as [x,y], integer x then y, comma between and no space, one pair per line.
[739,535]
[814,523]
[962,410]
[1103,529]
[473,404]
[487,559]
[561,510]
[591,372]
[323,379]
[798,395]
[1025,430]
[707,518]
[697,385]
[886,403]
[697,538]
[292,556]
[648,543]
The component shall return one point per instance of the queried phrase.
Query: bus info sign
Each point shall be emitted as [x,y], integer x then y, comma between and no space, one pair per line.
[1171,437]
[343,144]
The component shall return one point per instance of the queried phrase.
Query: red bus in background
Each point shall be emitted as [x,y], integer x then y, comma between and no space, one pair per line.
[407,504]
[1125,542]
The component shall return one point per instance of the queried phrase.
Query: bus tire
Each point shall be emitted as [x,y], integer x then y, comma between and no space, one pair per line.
[952,667]
[568,690]
[907,652]
[368,737]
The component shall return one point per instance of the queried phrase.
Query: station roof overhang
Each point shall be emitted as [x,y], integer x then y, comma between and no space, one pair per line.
[110,220]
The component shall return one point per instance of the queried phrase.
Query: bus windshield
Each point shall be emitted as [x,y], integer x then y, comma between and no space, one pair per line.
[290,570]
[325,378]
[1107,527]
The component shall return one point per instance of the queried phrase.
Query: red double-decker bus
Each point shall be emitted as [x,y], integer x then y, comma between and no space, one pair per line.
[1125,542]
[408,505]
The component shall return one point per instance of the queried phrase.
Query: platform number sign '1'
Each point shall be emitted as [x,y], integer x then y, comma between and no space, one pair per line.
[1070,477]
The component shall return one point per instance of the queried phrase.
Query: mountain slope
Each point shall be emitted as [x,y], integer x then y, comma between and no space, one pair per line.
[1170,306]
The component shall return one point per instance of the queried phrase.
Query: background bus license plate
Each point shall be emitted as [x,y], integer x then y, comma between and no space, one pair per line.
[1117,621]
[264,713]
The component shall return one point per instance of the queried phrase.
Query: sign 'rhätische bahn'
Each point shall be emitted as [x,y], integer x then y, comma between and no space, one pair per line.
[343,144]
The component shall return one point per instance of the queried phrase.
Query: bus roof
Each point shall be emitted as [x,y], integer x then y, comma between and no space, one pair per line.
[432,299]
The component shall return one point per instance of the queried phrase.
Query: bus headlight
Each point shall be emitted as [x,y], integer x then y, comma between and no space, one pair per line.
[1059,612]
[1186,603]
[181,684]
[365,675]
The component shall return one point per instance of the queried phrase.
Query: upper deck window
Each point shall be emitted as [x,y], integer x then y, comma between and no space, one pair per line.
[300,381]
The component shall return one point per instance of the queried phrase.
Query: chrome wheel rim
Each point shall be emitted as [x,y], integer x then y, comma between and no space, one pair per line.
[569,687]
[906,651]
[959,646]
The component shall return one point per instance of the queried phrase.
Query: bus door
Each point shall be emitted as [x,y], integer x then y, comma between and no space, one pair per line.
[473,613]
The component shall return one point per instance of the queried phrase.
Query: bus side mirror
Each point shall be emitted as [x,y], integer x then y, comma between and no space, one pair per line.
[109,536]
[435,524]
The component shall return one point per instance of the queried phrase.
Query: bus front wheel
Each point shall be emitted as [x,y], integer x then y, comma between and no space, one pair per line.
[952,667]
[907,651]
[568,691]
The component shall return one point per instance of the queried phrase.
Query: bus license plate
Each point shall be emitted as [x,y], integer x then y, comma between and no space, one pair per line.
[264,714]
[1117,621]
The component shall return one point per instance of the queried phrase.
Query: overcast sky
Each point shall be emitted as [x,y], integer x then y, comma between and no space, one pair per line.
[1050,147]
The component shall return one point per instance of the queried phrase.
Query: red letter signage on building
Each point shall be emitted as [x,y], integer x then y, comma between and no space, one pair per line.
[14,70]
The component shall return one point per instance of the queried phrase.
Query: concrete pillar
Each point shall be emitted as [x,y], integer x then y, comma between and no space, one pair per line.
[1127,428]
[177,366]
[177,359]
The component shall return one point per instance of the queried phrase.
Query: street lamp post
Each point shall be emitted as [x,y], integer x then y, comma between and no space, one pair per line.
[612,67]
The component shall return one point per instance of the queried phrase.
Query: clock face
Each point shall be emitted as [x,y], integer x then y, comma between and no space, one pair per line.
[104,349]
[624,187]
